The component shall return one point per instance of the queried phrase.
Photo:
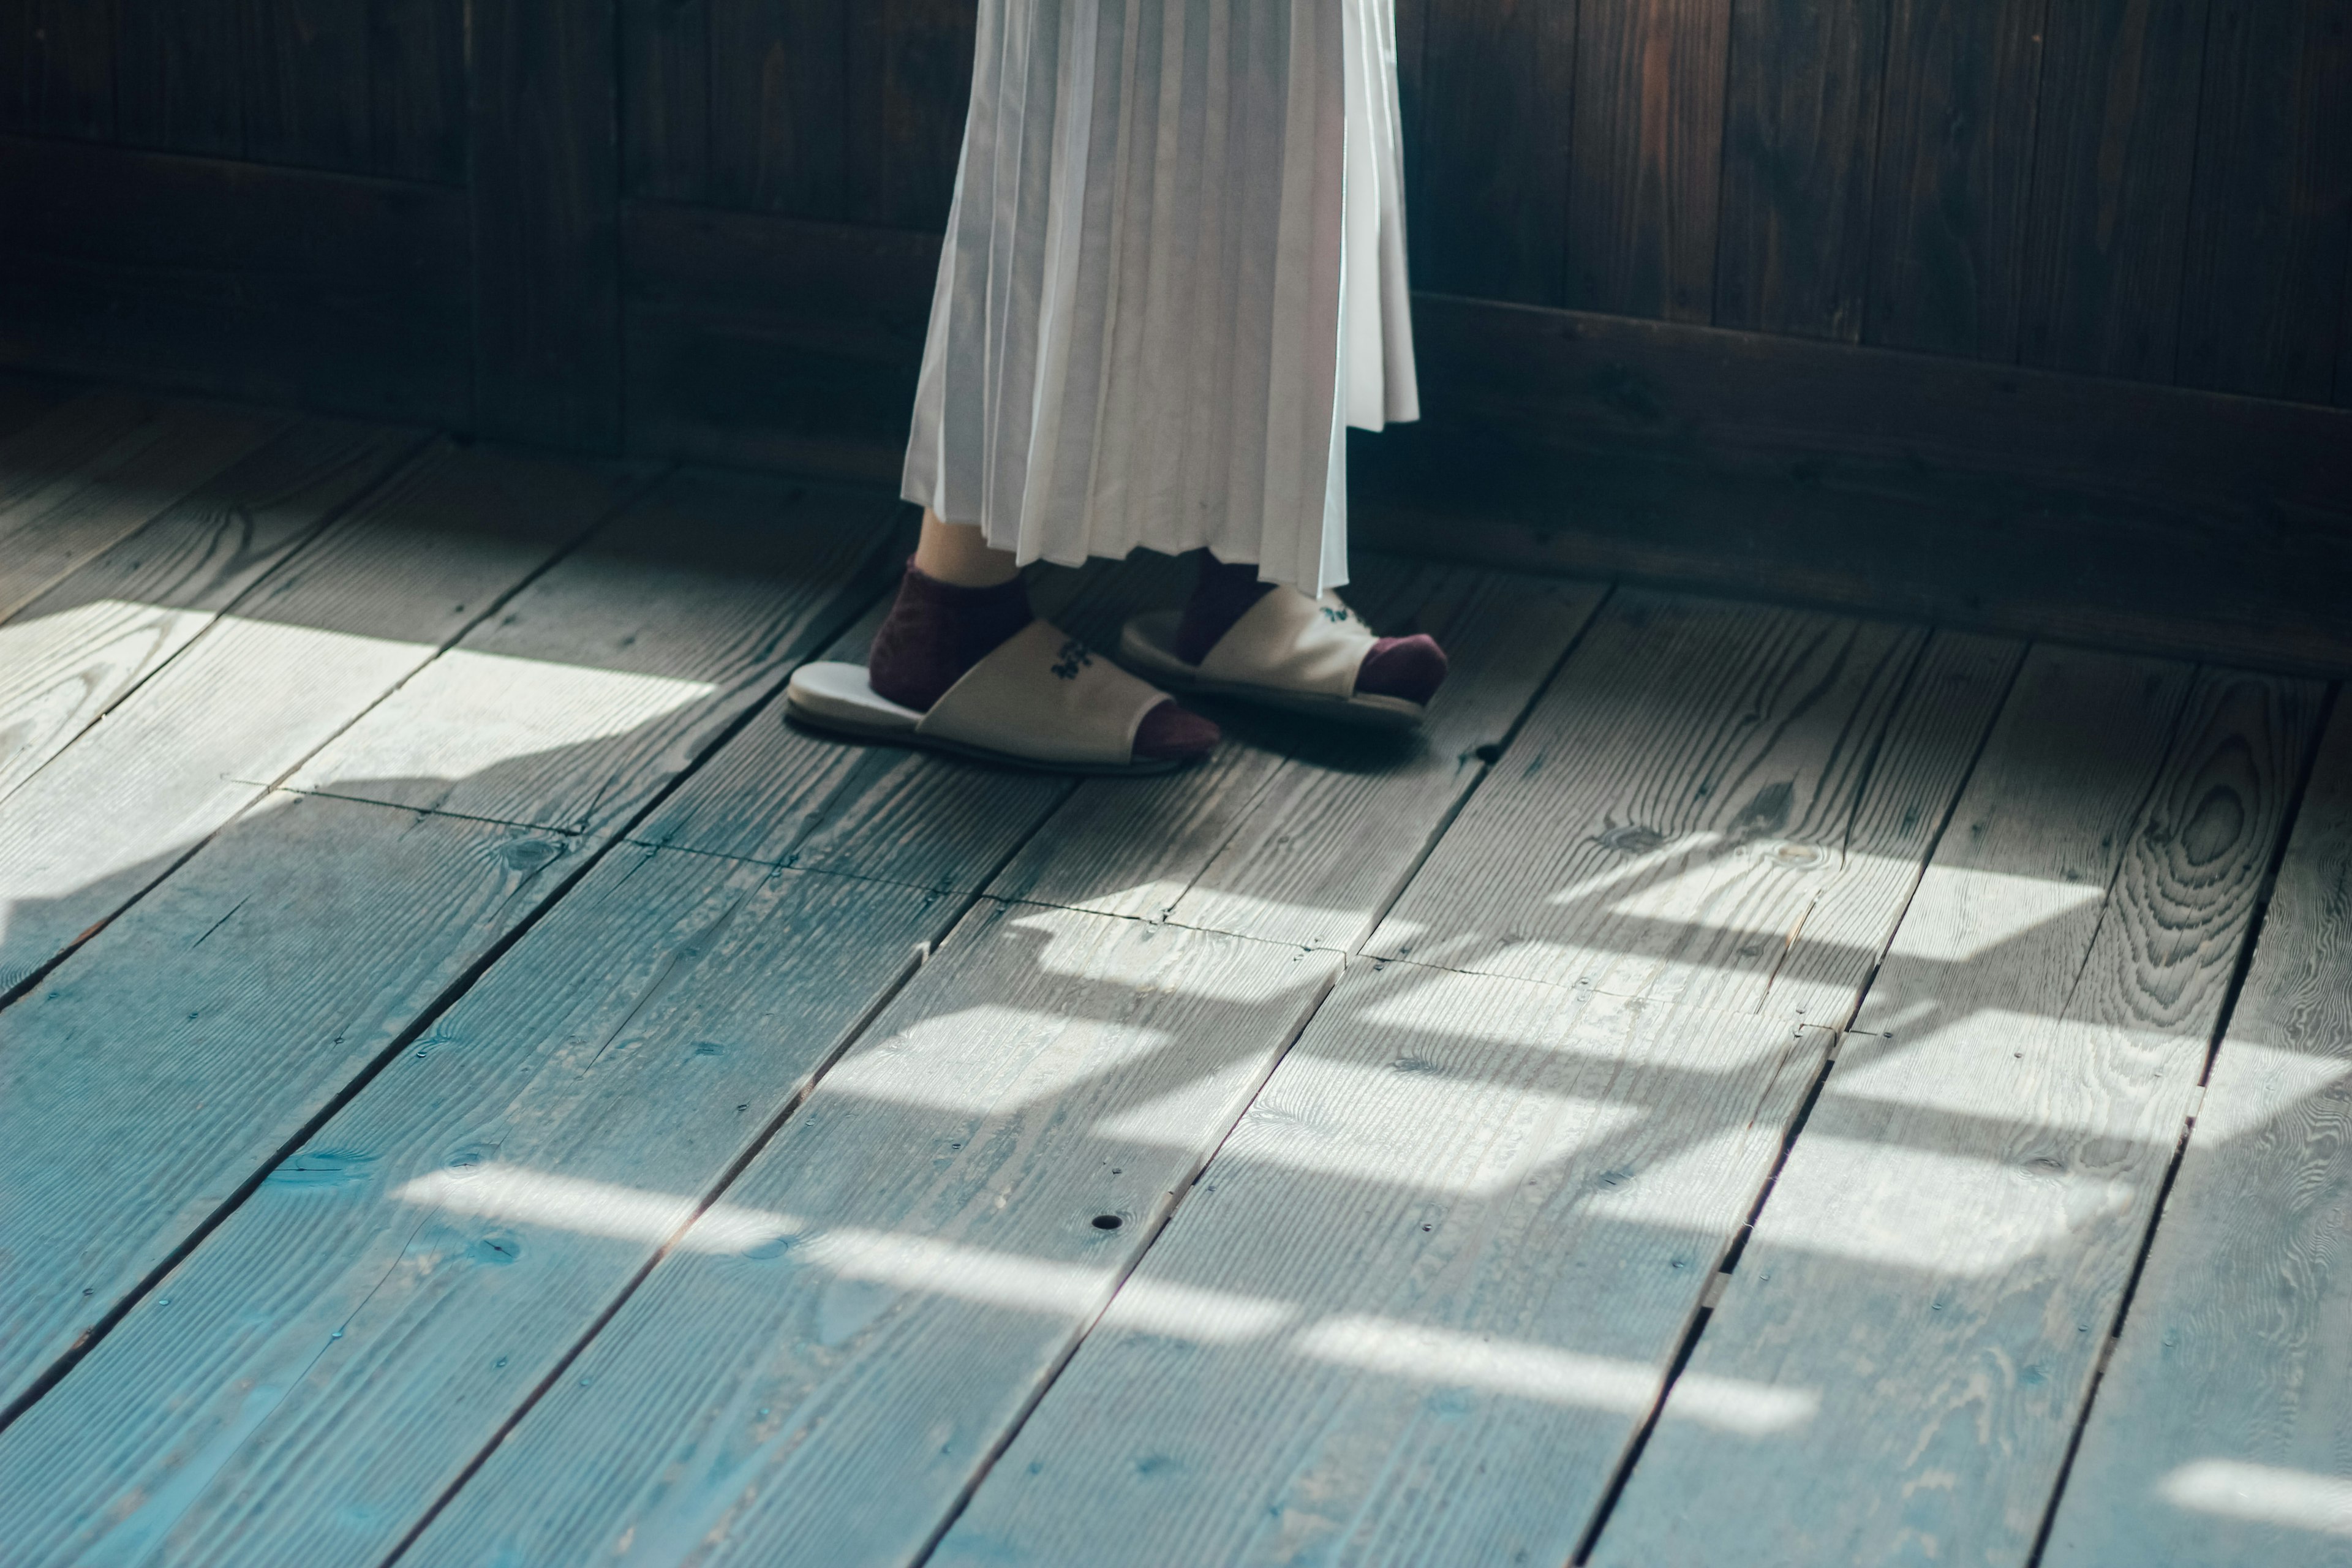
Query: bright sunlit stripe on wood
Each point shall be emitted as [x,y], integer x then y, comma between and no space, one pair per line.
[2262,1494]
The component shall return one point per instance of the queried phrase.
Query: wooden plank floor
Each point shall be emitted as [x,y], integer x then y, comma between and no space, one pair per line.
[1744,1085]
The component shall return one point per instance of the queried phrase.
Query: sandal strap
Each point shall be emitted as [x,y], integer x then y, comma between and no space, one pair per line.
[1045,695]
[1291,641]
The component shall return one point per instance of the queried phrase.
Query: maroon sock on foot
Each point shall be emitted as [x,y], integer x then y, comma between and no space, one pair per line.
[1221,596]
[935,631]
[1412,667]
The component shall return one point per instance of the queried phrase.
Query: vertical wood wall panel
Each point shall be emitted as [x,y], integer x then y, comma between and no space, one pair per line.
[1955,172]
[305,78]
[926,60]
[56,66]
[1493,119]
[1646,156]
[778,100]
[2271,221]
[2109,228]
[666,99]
[546,192]
[181,76]
[1800,136]
[416,89]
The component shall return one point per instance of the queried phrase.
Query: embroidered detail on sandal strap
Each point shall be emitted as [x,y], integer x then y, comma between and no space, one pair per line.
[1044,695]
[1291,641]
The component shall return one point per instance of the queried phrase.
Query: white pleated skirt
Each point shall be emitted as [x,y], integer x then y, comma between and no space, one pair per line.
[1174,275]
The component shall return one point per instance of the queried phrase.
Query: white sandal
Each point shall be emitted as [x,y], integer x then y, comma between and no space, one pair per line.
[1287,651]
[1042,699]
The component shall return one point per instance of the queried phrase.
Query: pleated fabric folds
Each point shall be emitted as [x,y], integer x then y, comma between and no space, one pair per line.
[1174,274]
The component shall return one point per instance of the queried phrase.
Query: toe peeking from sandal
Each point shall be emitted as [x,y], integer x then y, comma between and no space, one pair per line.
[1041,699]
[1301,654]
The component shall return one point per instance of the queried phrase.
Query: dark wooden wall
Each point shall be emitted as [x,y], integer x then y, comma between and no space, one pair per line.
[1931,251]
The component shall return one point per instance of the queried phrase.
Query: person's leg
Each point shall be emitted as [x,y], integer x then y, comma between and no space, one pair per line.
[957,553]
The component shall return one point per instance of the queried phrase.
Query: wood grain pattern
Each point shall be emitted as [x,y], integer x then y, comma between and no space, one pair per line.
[611,675]
[1646,156]
[1801,142]
[666,99]
[377,910]
[2238,1349]
[1714,803]
[60,511]
[1955,165]
[625,1054]
[1490,79]
[2269,231]
[1473,1215]
[1292,832]
[821,1368]
[294,661]
[78,649]
[1944,1252]
[2112,185]
[546,240]
[778,98]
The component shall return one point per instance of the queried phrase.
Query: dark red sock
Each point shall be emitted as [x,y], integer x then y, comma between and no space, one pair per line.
[936,631]
[1221,596]
[1412,667]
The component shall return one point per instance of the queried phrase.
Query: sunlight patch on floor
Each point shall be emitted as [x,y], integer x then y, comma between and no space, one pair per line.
[2262,1494]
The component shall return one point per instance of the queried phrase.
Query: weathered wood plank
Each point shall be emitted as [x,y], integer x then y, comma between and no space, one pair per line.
[592,1089]
[360,610]
[546,237]
[666,99]
[2112,180]
[1490,78]
[1474,1216]
[115,463]
[777,794]
[1293,832]
[343,932]
[2220,1431]
[2269,231]
[1943,1254]
[1955,175]
[80,648]
[1646,156]
[1800,144]
[777,103]
[1713,803]
[609,676]
[833,1355]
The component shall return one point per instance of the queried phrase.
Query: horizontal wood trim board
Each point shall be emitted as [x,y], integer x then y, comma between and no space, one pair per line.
[2022,500]
[339,292]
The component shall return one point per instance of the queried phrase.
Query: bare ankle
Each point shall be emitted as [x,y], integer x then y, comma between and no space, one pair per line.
[957,554]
